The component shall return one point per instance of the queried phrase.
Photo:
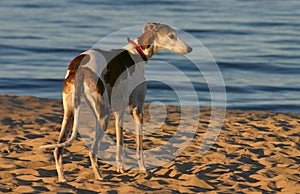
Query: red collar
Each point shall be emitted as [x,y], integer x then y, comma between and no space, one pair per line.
[138,48]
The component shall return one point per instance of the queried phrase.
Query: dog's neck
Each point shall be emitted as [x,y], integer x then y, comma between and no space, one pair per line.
[149,52]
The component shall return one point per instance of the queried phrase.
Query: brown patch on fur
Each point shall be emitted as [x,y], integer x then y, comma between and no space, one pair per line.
[79,60]
[118,61]
[92,80]
[100,87]
[73,67]
[146,39]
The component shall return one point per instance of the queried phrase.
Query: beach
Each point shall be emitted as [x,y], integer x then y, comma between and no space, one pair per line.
[255,151]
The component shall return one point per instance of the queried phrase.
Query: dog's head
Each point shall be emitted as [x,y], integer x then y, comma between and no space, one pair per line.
[162,36]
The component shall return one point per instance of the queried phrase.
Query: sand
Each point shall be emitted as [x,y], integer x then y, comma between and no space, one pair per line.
[256,151]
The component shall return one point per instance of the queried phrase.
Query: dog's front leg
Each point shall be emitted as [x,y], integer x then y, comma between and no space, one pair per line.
[120,141]
[138,118]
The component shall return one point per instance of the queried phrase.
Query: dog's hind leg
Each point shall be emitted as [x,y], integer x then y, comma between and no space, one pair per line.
[101,113]
[94,152]
[66,128]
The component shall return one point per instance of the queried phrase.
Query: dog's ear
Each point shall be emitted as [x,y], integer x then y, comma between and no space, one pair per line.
[146,39]
[151,26]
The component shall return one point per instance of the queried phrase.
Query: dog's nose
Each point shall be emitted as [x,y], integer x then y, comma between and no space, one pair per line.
[190,49]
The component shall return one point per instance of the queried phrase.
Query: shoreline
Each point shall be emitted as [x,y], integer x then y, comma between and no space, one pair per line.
[233,108]
[256,151]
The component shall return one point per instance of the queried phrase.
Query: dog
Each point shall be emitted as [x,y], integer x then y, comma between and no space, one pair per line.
[94,74]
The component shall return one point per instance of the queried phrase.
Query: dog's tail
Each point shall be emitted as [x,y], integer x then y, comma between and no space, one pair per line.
[63,144]
[76,77]
[73,135]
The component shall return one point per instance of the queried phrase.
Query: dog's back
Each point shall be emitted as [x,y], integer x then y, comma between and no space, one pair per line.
[97,67]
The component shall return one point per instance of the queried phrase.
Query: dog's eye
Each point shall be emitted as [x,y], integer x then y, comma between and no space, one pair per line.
[172,36]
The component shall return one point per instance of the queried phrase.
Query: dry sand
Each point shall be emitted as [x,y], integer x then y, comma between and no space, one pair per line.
[255,152]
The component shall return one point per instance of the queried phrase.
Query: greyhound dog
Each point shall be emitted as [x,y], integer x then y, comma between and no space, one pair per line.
[92,76]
